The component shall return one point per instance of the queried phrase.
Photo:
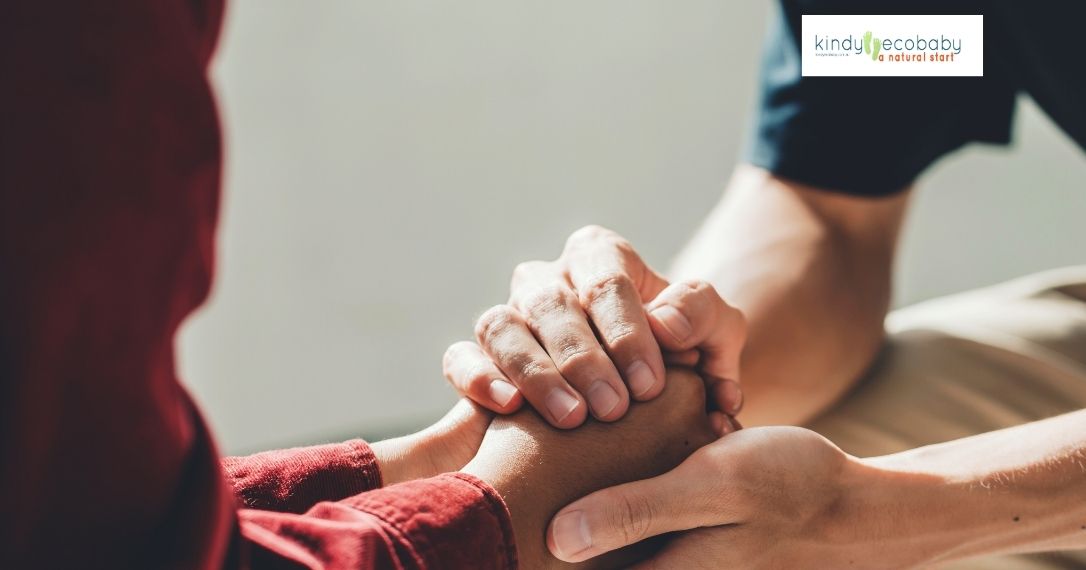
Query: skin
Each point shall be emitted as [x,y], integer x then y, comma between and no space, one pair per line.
[582,334]
[778,251]
[445,446]
[810,271]
[785,497]
[537,468]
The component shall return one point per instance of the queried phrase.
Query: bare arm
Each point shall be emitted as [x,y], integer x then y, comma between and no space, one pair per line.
[786,497]
[811,270]
[1015,490]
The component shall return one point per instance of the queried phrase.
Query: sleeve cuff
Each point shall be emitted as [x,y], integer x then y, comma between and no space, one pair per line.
[453,520]
[293,480]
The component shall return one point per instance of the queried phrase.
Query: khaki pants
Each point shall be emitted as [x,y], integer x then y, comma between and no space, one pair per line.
[971,363]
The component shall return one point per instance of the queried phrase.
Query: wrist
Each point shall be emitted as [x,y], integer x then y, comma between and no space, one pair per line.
[403,459]
[961,503]
[508,472]
[888,516]
[925,506]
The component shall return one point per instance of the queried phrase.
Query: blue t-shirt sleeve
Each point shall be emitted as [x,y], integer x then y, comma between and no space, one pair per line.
[868,136]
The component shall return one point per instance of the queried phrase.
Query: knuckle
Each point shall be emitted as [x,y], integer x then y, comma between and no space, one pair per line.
[632,517]
[589,233]
[739,321]
[545,301]
[606,285]
[622,338]
[711,459]
[625,248]
[574,358]
[453,354]
[528,369]
[477,373]
[495,320]
[698,286]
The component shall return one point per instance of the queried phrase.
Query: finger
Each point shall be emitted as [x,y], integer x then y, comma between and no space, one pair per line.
[691,314]
[556,319]
[723,424]
[718,421]
[473,374]
[723,394]
[729,395]
[461,430]
[735,423]
[688,358]
[619,516]
[465,415]
[612,283]
[504,336]
[594,244]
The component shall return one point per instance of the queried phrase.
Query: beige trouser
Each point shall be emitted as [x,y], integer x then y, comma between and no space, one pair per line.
[971,363]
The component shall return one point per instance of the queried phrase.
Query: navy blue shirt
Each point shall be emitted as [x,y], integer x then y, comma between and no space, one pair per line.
[873,136]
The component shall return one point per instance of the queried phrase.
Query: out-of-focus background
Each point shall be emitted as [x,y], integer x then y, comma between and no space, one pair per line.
[388,163]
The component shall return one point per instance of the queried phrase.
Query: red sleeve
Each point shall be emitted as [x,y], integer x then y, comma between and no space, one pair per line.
[293,480]
[109,188]
[449,521]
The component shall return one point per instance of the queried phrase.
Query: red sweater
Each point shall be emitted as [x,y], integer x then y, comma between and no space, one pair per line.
[109,191]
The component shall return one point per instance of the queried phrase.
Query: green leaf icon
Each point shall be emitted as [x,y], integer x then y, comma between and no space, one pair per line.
[876,45]
[867,42]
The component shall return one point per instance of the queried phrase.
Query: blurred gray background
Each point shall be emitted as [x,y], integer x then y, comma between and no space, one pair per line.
[389,162]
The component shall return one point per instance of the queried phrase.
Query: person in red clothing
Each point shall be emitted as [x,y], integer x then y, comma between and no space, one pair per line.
[109,191]
[110,167]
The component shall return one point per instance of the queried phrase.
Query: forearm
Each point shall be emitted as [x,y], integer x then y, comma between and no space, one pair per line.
[1010,491]
[811,272]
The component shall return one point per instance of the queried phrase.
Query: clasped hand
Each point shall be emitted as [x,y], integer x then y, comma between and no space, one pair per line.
[583,335]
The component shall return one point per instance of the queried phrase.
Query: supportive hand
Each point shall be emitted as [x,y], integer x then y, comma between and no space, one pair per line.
[537,468]
[584,332]
[757,498]
[445,446]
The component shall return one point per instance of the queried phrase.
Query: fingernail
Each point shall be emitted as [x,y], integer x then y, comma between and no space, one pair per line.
[570,532]
[502,392]
[603,398]
[561,404]
[640,378]
[673,321]
[733,395]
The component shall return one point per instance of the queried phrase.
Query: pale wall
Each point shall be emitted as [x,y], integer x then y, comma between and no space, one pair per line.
[389,163]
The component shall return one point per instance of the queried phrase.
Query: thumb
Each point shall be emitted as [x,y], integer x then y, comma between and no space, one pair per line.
[454,439]
[691,315]
[622,515]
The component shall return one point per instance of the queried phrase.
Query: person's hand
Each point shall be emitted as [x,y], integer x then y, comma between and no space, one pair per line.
[584,332]
[445,446]
[537,469]
[757,498]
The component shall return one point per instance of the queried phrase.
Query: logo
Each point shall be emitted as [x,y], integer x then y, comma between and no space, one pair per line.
[868,43]
[906,46]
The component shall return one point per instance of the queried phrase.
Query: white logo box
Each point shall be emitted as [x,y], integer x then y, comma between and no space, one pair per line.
[835,46]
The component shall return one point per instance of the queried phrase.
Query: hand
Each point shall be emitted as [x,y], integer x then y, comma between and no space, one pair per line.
[537,468]
[445,446]
[584,333]
[757,498]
